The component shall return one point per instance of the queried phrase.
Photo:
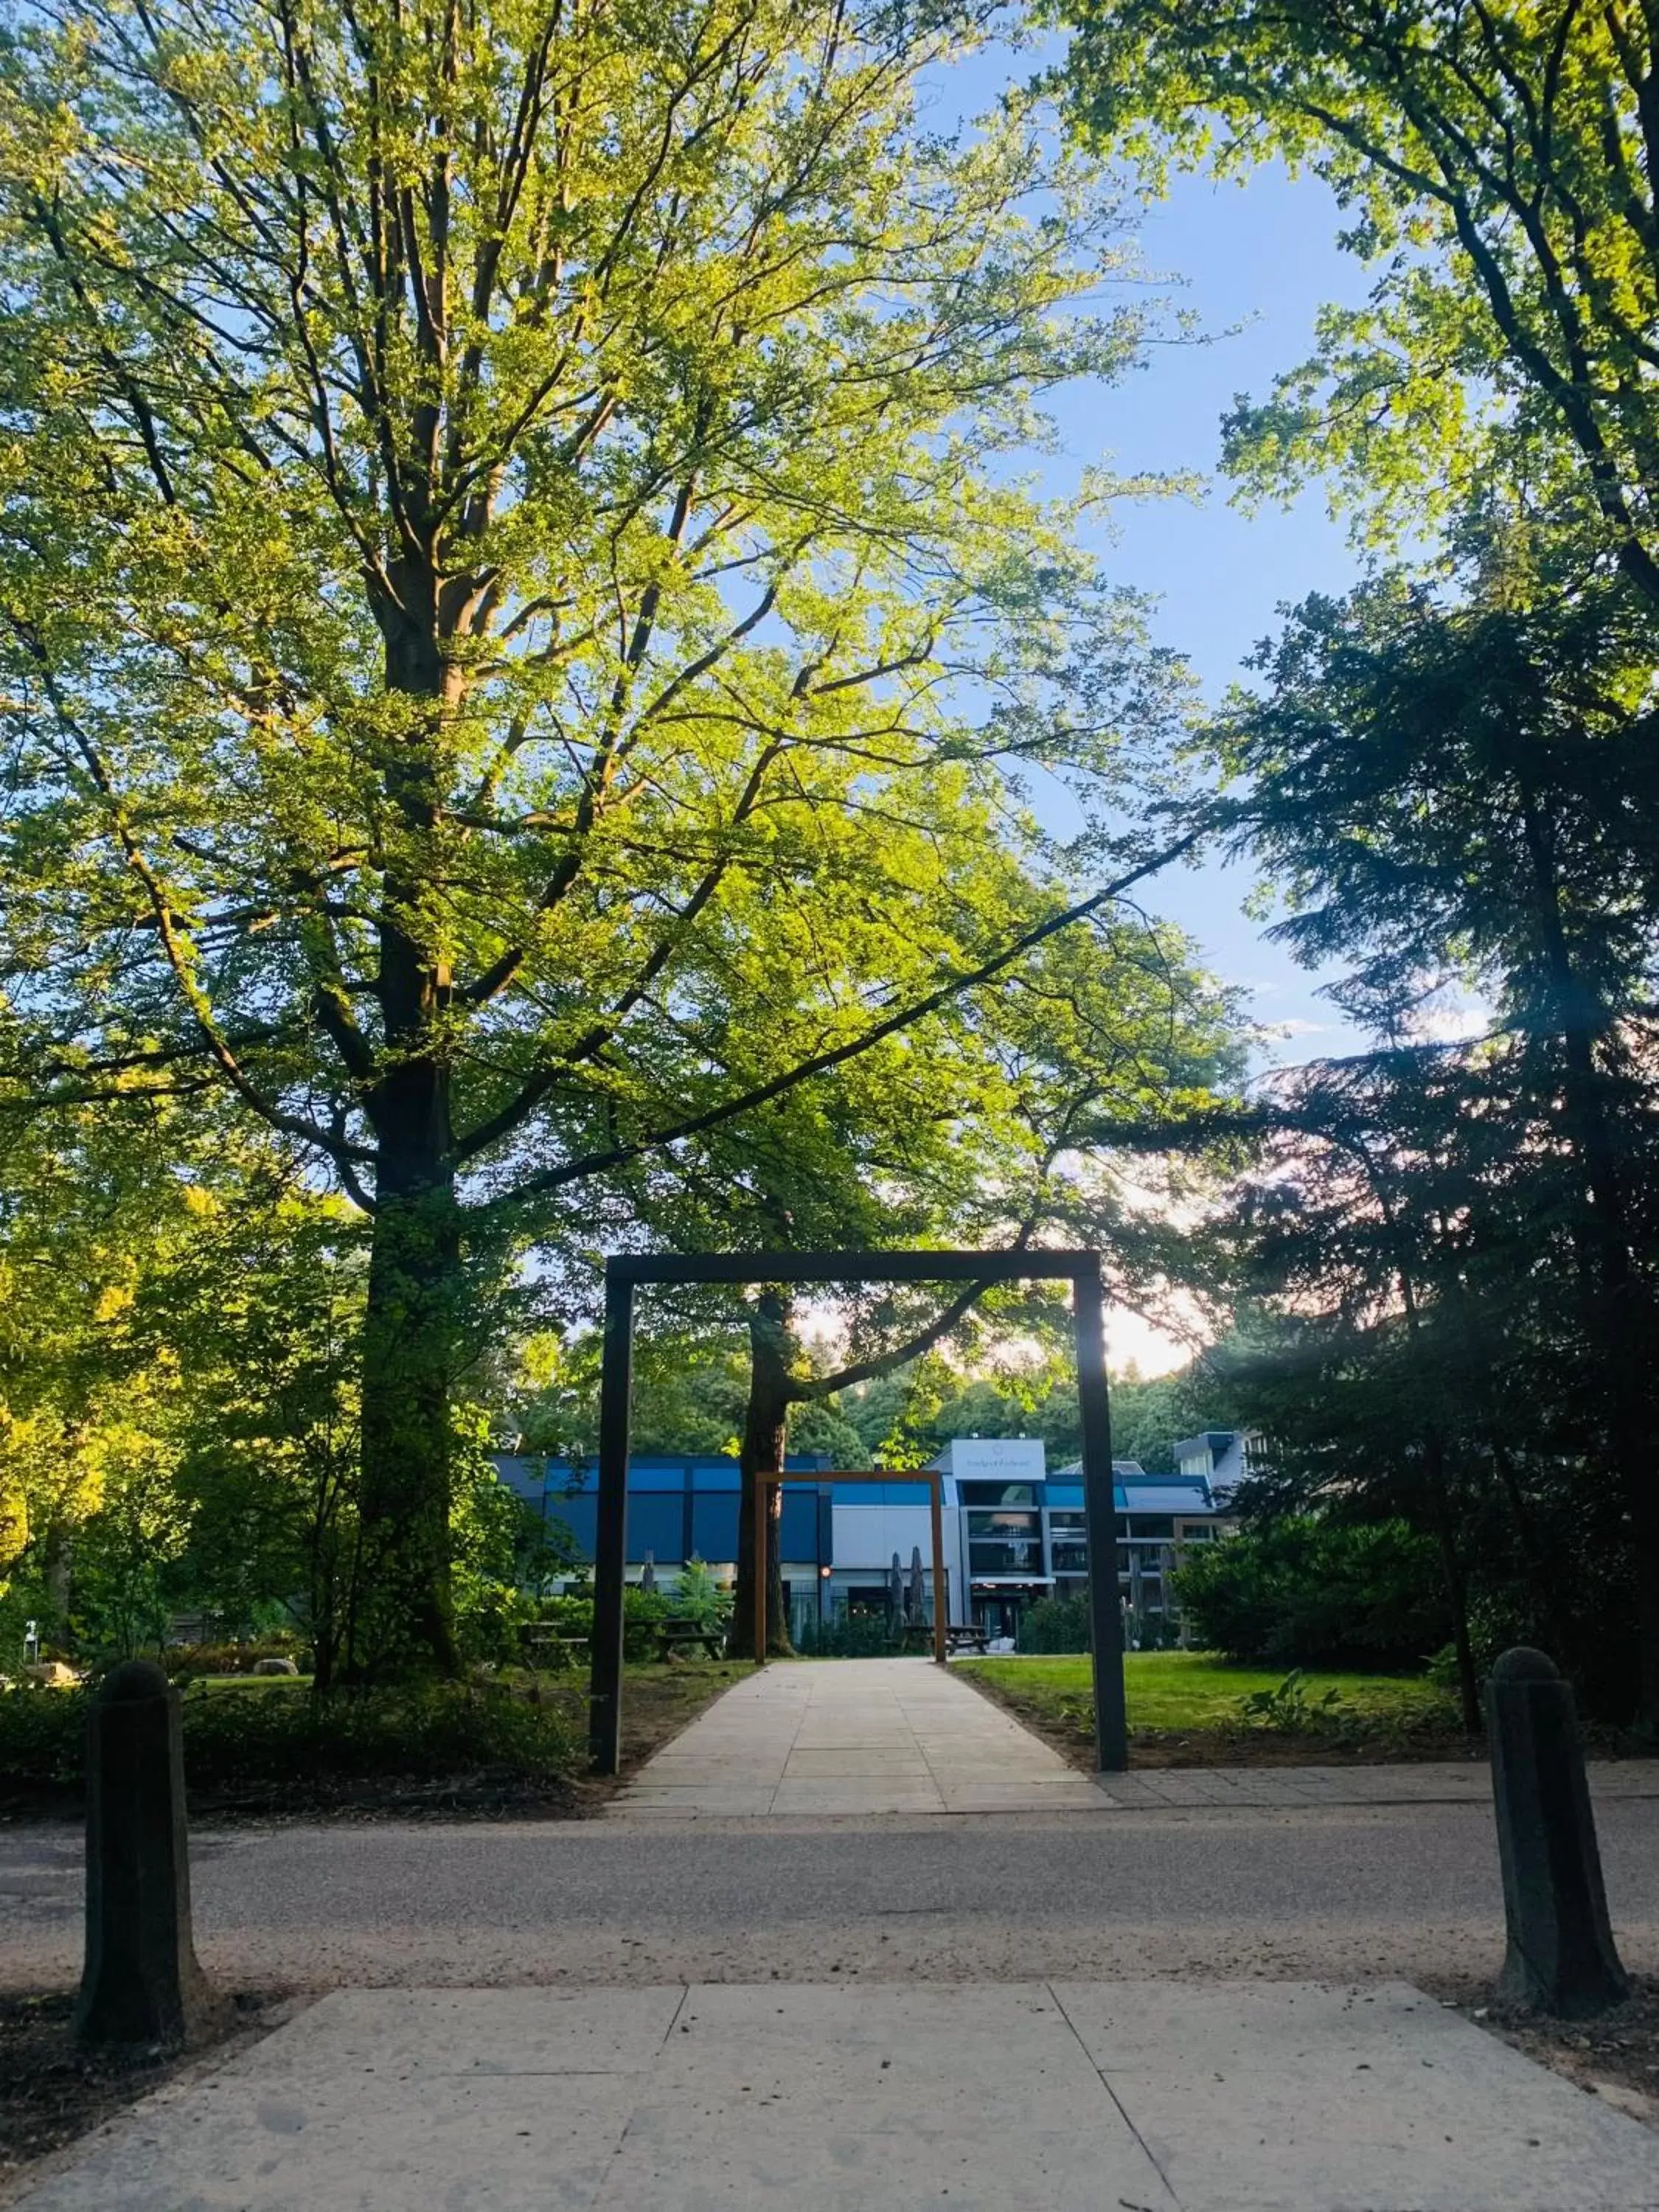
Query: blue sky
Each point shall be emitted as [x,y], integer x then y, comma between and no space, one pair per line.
[1254,263]
[1259,260]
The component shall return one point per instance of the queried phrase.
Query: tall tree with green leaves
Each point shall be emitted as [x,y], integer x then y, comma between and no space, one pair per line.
[1468,793]
[520,616]
[1498,164]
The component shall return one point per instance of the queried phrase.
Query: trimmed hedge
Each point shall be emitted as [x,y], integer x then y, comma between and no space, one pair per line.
[182,1660]
[282,1733]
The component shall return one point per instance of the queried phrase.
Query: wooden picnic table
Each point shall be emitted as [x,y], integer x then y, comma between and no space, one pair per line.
[673,1634]
[967,1639]
[542,1636]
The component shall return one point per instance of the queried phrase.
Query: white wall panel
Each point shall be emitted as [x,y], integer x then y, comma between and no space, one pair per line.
[868,1535]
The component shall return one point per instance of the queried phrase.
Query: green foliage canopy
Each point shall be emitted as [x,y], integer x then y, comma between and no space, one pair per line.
[518,603]
[1497,165]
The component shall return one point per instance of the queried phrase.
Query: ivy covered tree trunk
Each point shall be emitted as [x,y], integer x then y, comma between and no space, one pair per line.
[765,1431]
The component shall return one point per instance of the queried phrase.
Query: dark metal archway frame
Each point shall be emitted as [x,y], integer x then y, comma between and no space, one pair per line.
[624,1271]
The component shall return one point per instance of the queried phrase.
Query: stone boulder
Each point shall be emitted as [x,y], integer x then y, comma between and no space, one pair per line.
[52,1674]
[274,1666]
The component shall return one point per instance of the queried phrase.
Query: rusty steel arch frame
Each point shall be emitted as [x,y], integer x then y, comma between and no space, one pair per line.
[625,1272]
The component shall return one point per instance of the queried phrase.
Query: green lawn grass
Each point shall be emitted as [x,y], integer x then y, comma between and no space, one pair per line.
[1176,1693]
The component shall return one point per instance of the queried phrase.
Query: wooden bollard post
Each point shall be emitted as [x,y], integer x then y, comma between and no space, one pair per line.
[141,1982]
[1561,1957]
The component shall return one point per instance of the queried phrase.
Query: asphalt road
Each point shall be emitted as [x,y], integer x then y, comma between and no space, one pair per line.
[1405,1890]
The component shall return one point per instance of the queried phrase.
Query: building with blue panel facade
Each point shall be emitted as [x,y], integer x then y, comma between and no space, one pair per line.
[1013,1533]
[680,1506]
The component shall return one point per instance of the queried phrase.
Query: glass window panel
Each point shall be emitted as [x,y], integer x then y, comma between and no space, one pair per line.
[997,1493]
[985,1558]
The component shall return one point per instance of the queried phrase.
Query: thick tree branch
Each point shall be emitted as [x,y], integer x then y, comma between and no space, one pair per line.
[917,1009]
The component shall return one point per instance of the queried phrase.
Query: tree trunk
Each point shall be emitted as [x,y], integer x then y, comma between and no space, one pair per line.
[405,1621]
[765,1428]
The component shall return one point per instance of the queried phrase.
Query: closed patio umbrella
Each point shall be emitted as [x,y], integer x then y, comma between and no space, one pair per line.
[918,1605]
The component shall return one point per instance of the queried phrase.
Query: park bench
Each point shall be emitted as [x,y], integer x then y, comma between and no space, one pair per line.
[674,1635]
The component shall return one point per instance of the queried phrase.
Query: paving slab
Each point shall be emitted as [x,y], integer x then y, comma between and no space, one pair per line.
[858,1739]
[1413,1781]
[872,1738]
[1060,2097]
[1362,2099]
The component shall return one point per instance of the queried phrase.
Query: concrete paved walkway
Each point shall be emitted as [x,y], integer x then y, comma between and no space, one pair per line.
[855,1736]
[861,1736]
[1402,1782]
[1062,2097]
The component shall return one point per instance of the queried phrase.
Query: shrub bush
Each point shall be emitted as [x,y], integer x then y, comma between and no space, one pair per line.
[1302,1592]
[697,1596]
[42,1737]
[435,1730]
[573,1615]
[283,1735]
[1055,1624]
[185,1661]
[855,1635]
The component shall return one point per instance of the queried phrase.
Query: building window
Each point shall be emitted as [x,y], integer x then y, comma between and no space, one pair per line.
[1012,1558]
